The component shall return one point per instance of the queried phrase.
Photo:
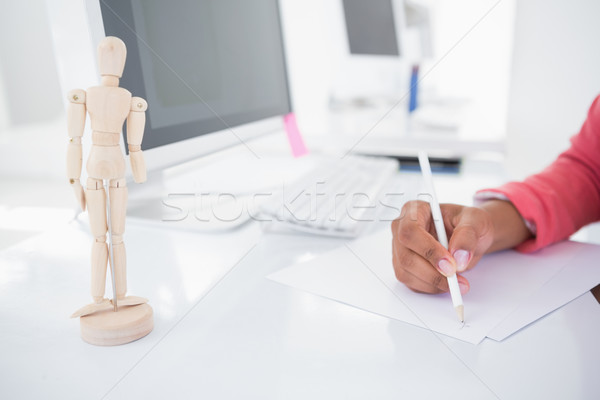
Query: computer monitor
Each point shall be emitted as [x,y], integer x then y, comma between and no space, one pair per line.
[370,50]
[213,71]
[371,27]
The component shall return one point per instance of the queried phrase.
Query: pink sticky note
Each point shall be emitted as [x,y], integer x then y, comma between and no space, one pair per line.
[294,136]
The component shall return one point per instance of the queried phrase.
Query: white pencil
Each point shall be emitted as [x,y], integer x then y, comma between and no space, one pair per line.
[436,213]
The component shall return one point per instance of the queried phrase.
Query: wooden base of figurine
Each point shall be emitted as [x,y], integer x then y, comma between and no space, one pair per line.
[109,328]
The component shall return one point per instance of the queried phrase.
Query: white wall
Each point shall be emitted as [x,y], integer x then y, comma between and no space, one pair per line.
[555,77]
[473,45]
[307,44]
[4,117]
[28,67]
[32,137]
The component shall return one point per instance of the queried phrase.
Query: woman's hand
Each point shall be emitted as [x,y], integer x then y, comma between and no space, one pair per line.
[422,263]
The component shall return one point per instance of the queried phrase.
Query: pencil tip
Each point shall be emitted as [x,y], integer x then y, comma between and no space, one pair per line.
[460,311]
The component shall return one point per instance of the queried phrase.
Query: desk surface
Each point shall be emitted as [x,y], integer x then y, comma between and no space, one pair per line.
[222,330]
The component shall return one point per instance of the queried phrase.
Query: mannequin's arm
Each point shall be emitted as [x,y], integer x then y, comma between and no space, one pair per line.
[135,133]
[75,124]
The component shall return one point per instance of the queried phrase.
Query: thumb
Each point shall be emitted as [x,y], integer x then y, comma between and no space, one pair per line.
[469,239]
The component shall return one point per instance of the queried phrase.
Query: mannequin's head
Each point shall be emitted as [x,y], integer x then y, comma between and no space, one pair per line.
[111,56]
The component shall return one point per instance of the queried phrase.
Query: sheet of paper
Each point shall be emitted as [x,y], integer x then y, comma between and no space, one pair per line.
[340,276]
[580,274]
[360,274]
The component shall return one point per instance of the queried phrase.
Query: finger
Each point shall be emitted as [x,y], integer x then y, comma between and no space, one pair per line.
[436,286]
[415,237]
[463,244]
[470,238]
[416,273]
[463,284]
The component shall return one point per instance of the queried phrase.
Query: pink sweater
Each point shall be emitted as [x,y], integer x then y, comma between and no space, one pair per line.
[566,195]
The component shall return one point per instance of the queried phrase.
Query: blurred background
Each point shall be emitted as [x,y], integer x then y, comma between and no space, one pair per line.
[528,70]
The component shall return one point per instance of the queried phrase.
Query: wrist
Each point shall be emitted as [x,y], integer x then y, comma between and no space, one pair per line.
[508,226]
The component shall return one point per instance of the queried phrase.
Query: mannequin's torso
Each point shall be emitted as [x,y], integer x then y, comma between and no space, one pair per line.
[108,107]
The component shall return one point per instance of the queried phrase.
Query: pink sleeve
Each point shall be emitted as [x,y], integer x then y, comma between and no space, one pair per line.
[566,195]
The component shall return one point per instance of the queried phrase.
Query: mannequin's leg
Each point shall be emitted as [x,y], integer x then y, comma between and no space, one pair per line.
[118,207]
[96,202]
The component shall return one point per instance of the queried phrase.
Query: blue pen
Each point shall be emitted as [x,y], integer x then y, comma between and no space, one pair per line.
[414,83]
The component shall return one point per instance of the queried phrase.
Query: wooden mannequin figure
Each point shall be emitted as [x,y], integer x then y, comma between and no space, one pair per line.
[125,318]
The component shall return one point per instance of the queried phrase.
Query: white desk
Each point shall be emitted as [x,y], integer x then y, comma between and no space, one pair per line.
[224,331]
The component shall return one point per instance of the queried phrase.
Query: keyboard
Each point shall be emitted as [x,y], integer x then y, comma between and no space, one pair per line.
[341,197]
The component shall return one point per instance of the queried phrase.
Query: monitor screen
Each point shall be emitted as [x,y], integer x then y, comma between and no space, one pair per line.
[203,66]
[370,27]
